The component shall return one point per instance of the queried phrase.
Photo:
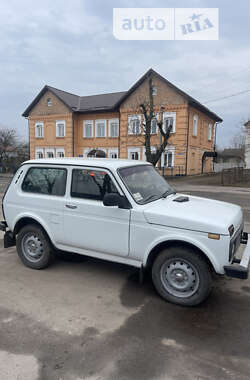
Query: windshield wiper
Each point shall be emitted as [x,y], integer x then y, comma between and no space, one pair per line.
[168,192]
[150,197]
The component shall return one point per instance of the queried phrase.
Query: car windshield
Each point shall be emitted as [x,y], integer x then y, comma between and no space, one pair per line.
[144,183]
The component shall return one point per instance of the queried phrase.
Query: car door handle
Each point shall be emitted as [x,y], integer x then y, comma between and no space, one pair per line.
[70,206]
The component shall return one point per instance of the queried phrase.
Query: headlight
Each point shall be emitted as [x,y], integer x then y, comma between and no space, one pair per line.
[231,230]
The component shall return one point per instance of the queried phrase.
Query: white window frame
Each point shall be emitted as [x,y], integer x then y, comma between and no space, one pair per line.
[49,150]
[60,150]
[130,119]
[39,150]
[170,114]
[153,150]
[113,151]
[154,90]
[156,117]
[113,121]
[132,150]
[168,150]
[210,129]
[195,125]
[49,102]
[37,125]
[99,121]
[59,122]
[85,123]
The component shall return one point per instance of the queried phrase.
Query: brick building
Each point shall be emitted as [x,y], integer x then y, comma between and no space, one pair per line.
[64,124]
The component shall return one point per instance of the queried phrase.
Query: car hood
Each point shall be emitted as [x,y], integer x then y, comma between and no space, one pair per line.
[199,214]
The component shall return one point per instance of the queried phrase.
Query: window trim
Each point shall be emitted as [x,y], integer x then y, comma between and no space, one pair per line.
[113,150]
[49,102]
[134,149]
[173,115]
[109,124]
[39,123]
[195,130]
[45,167]
[83,126]
[96,128]
[131,117]
[60,150]
[57,129]
[169,150]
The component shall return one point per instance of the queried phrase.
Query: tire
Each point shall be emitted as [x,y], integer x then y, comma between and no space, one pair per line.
[33,247]
[182,276]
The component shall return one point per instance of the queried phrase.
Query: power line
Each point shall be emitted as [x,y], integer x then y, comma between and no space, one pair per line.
[228,96]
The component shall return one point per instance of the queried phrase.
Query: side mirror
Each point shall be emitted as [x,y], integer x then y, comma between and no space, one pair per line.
[114,199]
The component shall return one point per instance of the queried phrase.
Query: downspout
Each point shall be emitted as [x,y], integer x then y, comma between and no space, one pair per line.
[29,134]
[119,140]
[187,141]
[73,136]
[215,135]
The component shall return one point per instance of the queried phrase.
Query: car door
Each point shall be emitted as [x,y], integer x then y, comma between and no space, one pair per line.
[88,224]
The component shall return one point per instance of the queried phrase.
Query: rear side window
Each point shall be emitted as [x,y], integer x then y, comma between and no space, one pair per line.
[48,181]
[91,184]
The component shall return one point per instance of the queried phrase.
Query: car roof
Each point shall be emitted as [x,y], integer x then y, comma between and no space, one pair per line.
[109,163]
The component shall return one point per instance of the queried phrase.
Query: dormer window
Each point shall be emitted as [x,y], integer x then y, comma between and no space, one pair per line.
[49,102]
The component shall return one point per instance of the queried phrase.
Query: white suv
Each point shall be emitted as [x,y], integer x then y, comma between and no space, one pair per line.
[123,211]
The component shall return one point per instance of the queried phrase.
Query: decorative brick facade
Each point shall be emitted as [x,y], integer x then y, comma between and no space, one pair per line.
[186,146]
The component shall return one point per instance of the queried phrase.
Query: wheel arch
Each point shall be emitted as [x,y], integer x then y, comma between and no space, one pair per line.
[174,243]
[26,220]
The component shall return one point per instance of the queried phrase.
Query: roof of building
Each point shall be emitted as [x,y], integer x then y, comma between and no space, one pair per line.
[111,101]
[231,153]
[109,163]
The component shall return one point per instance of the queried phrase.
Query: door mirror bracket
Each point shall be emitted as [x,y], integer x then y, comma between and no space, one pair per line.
[114,199]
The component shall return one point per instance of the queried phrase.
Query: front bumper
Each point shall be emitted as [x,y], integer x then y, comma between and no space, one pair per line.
[240,267]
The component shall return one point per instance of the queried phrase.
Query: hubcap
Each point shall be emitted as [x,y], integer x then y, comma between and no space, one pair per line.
[32,247]
[179,277]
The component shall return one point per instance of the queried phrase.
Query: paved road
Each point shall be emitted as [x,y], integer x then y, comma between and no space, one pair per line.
[92,320]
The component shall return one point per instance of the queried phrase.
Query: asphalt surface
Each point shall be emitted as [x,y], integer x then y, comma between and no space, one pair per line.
[93,320]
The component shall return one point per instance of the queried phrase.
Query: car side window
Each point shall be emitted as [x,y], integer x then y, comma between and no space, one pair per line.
[91,184]
[49,181]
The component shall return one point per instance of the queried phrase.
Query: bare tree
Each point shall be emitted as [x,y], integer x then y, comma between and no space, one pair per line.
[147,107]
[8,143]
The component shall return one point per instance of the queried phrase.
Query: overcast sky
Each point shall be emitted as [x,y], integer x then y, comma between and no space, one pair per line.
[70,45]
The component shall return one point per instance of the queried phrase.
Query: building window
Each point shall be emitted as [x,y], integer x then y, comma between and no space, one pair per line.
[195,125]
[88,128]
[100,128]
[153,151]
[39,130]
[134,124]
[169,120]
[60,128]
[154,126]
[154,90]
[168,159]
[49,152]
[209,131]
[134,153]
[49,102]
[39,152]
[60,153]
[113,153]
[114,128]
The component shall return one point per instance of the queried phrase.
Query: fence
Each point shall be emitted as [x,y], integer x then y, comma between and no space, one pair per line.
[235,175]
[173,171]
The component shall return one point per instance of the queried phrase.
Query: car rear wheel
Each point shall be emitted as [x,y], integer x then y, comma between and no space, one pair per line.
[33,247]
[182,276]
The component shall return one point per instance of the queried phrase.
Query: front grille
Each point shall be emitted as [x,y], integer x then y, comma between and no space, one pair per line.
[234,244]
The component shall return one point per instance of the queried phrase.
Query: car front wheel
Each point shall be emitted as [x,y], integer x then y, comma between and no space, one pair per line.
[33,247]
[182,276]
